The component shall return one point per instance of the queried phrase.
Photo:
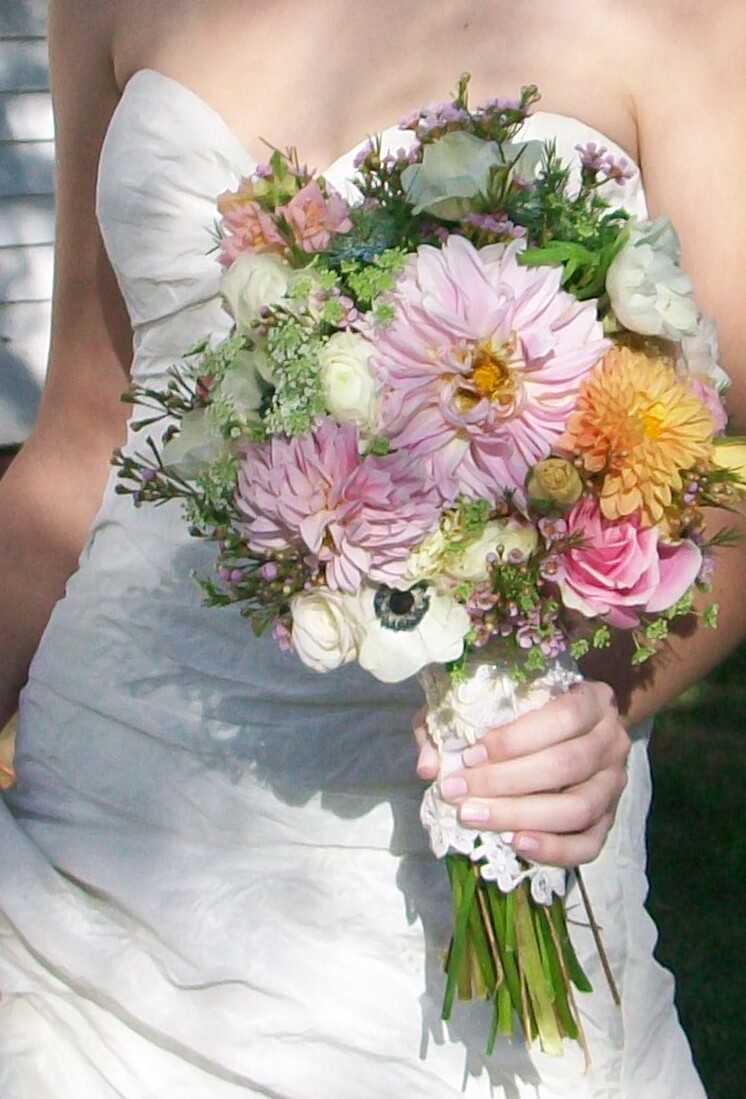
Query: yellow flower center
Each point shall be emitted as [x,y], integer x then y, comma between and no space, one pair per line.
[653,421]
[491,375]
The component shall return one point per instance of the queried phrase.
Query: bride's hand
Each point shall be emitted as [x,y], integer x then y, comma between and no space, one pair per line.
[553,777]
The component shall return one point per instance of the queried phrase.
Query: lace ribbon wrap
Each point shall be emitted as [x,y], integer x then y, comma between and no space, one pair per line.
[458,713]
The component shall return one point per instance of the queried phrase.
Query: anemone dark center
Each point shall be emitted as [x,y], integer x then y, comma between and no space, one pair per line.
[401,610]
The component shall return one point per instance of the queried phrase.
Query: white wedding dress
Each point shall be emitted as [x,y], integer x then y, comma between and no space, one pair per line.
[213,880]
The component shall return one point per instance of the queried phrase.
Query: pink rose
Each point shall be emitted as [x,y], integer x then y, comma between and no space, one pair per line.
[618,569]
[248,228]
[313,218]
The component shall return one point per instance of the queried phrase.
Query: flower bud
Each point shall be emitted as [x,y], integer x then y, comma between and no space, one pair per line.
[554,483]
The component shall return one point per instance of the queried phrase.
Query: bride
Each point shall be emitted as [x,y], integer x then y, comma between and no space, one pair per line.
[213,878]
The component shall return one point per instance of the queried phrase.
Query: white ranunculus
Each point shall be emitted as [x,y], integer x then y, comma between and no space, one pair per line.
[509,538]
[392,648]
[699,355]
[197,445]
[456,168]
[324,632]
[649,292]
[347,380]
[253,281]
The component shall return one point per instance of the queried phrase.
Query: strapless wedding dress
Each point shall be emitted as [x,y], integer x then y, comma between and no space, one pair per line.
[213,880]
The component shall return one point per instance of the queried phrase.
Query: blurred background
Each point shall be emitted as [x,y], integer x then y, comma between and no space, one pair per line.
[697,838]
[26,213]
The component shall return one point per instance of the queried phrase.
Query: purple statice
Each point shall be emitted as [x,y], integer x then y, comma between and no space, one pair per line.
[598,161]
[496,225]
[592,157]
[436,119]
[367,150]
[618,169]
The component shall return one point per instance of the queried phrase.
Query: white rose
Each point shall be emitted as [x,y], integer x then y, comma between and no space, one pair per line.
[649,292]
[510,538]
[347,381]
[324,631]
[402,631]
[252,282]
[196,446]
[457,167]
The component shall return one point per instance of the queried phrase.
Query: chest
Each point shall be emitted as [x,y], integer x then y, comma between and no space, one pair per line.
[321,77]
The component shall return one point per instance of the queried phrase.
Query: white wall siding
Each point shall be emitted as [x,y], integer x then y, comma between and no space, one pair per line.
[26,213]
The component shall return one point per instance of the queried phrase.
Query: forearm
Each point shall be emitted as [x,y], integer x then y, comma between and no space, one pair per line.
[692,649]
[47,501]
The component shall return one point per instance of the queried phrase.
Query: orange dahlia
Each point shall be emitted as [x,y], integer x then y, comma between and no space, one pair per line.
[638,428]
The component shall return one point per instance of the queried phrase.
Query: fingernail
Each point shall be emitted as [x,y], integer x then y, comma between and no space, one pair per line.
[453,787]
[526,845]
[474,755]
[507,837]
[473,813]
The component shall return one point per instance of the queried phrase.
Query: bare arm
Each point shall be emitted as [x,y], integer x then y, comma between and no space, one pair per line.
[53,488]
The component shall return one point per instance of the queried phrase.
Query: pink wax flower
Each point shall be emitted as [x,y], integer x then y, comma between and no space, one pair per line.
[360,517]
[313,217]
[248,228]
[620,569]
[482,364]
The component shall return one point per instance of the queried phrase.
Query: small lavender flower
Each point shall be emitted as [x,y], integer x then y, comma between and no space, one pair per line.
[552,569]
[618,169]
[497,225]
[592,157]
[368,149]
[552,530]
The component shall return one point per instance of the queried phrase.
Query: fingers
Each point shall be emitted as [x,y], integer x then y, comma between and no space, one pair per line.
[575,810]
[552,778]
[557,795]
[564,718]
[568,763]
[569,850]
[428,759]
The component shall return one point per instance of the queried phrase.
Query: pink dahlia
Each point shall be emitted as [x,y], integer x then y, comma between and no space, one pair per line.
[360,517]
[482,363]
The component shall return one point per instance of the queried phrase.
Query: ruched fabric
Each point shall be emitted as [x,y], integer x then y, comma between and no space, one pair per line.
[213,881]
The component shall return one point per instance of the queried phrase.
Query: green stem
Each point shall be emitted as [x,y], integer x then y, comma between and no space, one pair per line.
[532,972]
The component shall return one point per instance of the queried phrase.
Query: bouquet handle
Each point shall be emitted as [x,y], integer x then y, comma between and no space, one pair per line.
[510,942]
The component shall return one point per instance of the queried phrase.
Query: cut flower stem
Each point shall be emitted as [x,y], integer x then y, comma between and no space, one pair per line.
[517,953]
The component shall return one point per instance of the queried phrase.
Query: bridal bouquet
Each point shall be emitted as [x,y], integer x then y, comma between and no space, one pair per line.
[464,425]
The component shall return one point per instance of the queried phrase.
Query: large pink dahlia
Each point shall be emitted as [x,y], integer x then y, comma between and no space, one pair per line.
[482,363]
[360,517]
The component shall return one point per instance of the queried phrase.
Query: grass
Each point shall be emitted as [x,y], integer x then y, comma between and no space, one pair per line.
[697,849]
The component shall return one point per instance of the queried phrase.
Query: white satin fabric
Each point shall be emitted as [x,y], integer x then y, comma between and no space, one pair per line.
[213,880]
